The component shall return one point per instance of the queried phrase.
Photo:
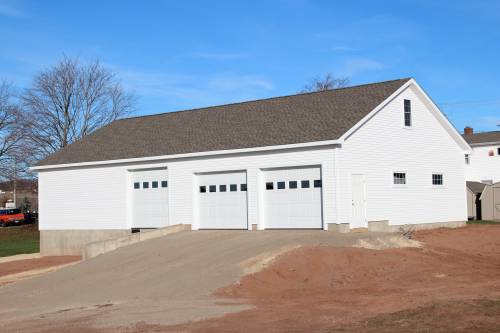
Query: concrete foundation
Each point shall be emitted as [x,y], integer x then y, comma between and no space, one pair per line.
[72,242]
[342,228]
[96,248]
[383,226]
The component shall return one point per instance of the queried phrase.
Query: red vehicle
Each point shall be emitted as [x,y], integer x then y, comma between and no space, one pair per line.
[11,217]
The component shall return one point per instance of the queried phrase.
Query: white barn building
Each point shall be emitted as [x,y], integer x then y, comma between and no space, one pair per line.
[374,156]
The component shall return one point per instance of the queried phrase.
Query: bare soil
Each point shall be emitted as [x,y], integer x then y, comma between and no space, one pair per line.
[19,266]
[450,284]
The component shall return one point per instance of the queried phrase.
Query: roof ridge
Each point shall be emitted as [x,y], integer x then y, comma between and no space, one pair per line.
[264,99]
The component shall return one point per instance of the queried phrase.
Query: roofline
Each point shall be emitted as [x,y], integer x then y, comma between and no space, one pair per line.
[479,144]
[458,137]
[189,155]
[263,99]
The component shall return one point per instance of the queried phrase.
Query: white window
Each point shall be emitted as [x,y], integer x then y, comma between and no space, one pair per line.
[437,179]
[399,178]
[467,159]
[407,112]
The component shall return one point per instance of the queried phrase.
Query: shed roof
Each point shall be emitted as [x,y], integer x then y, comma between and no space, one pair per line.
[476,187]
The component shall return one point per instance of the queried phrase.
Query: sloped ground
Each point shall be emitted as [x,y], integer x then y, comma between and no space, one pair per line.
[450,284]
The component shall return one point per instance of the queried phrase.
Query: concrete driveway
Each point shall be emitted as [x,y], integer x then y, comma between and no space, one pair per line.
[166,280]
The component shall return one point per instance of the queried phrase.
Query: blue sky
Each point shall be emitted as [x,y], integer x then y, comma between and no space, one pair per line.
[185,54]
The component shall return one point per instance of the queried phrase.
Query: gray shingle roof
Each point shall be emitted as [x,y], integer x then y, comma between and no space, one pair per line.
[308,117]
[482,137]
[476,187]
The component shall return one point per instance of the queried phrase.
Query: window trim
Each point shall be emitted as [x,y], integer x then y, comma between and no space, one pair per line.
[407,110]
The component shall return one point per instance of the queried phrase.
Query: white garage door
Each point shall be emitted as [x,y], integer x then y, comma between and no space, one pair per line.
[222,200]
[149,199]
[292,198]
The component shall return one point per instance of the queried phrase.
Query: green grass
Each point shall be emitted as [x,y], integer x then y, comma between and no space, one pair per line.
[482,222]
[18,240]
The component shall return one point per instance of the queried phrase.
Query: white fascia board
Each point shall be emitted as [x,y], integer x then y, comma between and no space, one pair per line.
[437,112]
[188,155]
[450,128]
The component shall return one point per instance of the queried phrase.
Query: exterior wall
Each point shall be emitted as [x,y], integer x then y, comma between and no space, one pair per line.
[383,146]
[483,167]
[471,205]
[490,203]
[98,198]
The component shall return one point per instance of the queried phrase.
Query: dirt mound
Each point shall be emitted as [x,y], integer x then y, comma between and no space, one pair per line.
[325,289]
[382,243]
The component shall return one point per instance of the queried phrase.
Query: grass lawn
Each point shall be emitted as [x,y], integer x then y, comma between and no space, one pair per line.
[18,240]
[482,222]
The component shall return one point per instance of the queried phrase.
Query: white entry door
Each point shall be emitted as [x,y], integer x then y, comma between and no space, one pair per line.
[292,198]
[358,202]
[222,200]
[149,198]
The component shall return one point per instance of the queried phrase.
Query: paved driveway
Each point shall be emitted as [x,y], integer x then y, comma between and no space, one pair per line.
[166,280]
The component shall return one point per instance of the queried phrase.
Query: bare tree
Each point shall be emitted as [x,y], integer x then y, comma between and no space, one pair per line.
[329,82]
[13,129]
[71,100]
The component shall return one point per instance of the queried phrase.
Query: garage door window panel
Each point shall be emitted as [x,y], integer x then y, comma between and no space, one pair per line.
[292,184]
[233,187]
[305,184]
[213,188]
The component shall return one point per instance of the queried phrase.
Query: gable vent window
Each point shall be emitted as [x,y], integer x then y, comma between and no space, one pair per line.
[399,178]
[437,179]
[467,159]
[407,106]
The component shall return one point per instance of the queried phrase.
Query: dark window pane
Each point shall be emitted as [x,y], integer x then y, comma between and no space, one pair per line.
[399,178]
[243,187]
[154,184]
[292,184]
[145,185]
[281,185]
[407,112]
[203,189]
[498,151]
[164,183]
[304,184]
[269,186]
[317,183]
[137,185]
[437,179]
[233,187]
[212,188]
[222,188]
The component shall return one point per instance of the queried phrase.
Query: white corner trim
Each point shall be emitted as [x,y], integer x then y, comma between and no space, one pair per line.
[188,155]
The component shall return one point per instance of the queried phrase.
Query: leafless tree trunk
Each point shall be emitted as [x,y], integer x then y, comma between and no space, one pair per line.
[71,100]
[13,129]
[329,82]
